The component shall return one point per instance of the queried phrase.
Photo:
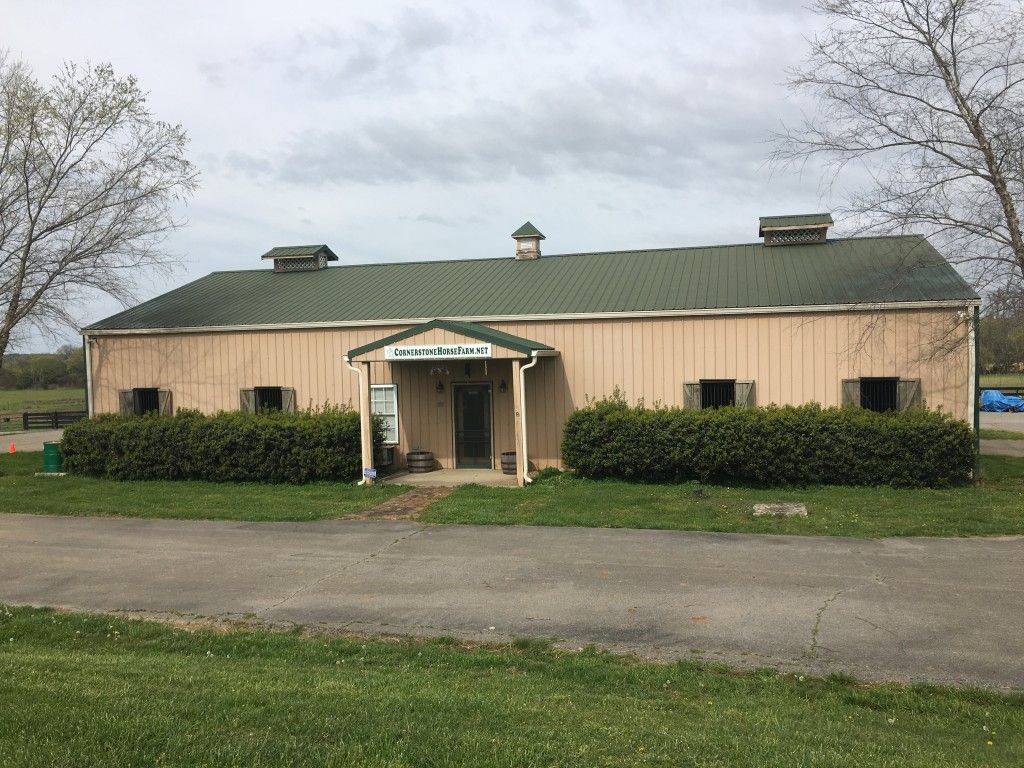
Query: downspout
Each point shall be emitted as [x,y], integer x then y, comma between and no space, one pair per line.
[86,344]
[359,372]
[975,347]
[522,415]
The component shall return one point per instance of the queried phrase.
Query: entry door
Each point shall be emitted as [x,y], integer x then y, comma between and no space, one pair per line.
[472,426]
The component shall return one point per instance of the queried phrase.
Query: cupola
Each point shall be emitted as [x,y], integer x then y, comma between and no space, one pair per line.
[300,258]
[799,229]
[527,239]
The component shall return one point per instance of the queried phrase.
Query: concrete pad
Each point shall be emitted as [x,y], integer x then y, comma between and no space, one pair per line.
[945,610]
[453,477]
[781,509]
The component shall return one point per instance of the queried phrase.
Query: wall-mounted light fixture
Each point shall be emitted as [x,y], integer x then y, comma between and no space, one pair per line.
[503,386]
[439,387]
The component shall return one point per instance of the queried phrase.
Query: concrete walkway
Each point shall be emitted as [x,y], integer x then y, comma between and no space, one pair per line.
[908,609]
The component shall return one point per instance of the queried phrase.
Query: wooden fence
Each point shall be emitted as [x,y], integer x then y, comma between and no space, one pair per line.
[50,419]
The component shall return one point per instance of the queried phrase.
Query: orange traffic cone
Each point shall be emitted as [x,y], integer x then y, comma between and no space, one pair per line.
[11,448]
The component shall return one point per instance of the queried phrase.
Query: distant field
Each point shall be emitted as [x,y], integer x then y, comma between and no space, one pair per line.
[13,402]
[993,380]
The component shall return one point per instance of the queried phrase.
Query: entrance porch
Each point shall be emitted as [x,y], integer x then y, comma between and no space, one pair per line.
[453,389]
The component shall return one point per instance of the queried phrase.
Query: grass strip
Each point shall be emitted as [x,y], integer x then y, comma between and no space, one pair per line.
[100,690]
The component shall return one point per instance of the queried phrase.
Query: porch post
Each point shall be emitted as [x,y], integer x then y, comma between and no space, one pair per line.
[365,421]
[516,400]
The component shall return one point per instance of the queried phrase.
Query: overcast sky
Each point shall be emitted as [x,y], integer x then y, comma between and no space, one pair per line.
[408,131]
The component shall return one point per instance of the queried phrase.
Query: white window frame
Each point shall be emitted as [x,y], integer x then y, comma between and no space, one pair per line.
[373,410]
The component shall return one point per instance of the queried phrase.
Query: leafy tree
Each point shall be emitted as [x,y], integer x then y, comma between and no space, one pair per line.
[89,180]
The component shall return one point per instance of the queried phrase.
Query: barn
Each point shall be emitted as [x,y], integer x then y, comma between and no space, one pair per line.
[471,359]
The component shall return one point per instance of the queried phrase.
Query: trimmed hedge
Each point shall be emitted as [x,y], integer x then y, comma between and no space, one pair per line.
[227,447]
[804,445]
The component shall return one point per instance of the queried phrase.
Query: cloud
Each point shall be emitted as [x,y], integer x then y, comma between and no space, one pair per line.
[332,62]
[637,129]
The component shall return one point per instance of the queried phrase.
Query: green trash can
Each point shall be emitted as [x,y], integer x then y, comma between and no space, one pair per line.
[53,462]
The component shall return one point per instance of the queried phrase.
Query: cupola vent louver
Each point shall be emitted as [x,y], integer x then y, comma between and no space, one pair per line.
[300,258]
[527,239]
[800,229]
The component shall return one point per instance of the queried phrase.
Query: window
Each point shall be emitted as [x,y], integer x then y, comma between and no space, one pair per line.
[878,394]
[267,399]
[384,403]
[882,393]
[143,400]
[718,393]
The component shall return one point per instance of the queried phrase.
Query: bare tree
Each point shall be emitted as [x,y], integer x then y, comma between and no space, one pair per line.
[88,184]
[927,97]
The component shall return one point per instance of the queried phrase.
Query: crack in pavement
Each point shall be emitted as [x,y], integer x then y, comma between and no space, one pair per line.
[880,628]
[812,652]
[340,570]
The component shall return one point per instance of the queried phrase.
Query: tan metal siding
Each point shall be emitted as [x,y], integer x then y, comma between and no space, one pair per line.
[792,359]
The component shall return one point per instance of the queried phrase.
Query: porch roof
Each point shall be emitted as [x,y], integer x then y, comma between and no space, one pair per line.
[472,330]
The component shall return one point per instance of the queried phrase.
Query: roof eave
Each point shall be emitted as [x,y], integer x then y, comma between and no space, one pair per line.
[958,303]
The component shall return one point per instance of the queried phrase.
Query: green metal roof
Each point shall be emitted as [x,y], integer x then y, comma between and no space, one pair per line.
[528,230]
[840,271]
[801,220]
[473,330]
[299,251]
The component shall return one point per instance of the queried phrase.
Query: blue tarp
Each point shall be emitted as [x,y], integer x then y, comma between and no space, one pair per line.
[994,400]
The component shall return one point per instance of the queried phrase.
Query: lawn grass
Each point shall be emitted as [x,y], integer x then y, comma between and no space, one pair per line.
[995,380]
[1001,434]
[994,507]
[21,491]
[102,690]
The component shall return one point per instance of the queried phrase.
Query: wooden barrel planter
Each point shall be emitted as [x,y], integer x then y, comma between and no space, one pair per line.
[508,462]
[420,461]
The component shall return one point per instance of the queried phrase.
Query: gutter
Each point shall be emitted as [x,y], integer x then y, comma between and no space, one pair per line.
[522,415]
[974,347]
[362,396]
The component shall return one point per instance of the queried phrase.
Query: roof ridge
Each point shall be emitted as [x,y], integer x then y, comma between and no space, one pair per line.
[509,259]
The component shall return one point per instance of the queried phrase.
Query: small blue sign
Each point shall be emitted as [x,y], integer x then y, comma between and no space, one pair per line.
[369,473]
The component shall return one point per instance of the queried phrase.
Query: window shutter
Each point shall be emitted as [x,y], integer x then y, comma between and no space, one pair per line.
[851,392]
[745,394]
[287,400]
[247,399]
[908,392]
[691,395]
[164,396]
[126,402]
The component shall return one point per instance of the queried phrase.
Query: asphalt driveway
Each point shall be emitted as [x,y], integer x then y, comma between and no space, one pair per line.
[945,610]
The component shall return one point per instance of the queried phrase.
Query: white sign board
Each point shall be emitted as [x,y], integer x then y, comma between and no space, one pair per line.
[439,352]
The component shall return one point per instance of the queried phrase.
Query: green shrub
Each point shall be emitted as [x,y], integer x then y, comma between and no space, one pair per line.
[804,445]
[229,446]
